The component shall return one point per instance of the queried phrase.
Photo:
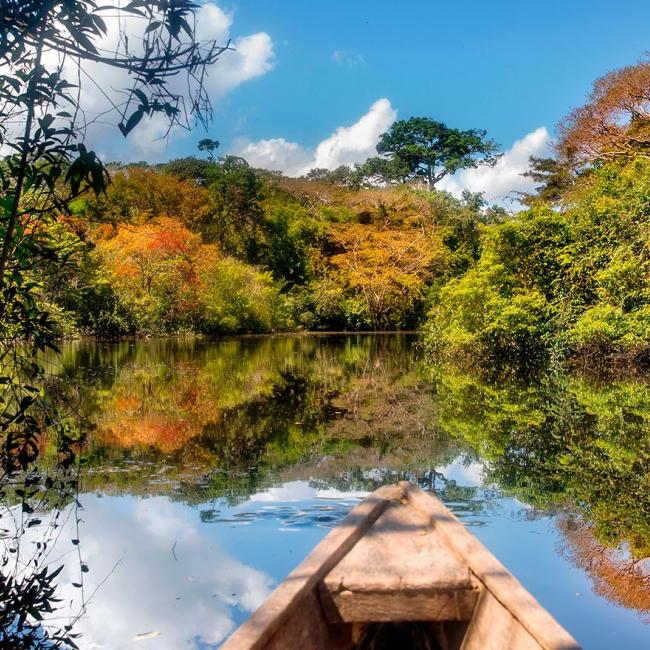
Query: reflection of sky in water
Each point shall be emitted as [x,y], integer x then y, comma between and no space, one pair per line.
[188,575]
[246,421]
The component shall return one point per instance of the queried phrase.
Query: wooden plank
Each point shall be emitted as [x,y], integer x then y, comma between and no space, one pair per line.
[402,571]
[401,606]
[275,611]
[493,627]
[543,628]
[307,629]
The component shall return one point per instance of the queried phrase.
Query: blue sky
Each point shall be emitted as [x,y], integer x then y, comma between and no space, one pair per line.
[506,66]
[305,69]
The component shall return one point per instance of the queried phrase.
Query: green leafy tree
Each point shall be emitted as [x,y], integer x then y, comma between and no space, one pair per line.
[383,171]
[209,145]
[42,125]
[237,225]
[554,178]
[431,150]
[571,281]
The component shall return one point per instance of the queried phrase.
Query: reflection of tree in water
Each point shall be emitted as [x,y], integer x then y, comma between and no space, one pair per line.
[562,437]
[564,442]
[38,485]
[232,416]
[615,574]
[352,413]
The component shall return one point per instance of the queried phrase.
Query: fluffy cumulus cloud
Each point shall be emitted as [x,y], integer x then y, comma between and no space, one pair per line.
[346,146]
[252,56]
[276,154]
[157,575]
[353,144]
[501,182]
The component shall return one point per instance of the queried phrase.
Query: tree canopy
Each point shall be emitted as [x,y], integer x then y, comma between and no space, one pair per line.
[615,120]
[426,148]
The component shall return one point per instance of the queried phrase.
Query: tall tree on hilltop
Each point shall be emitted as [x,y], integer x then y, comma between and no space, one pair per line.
[425,148]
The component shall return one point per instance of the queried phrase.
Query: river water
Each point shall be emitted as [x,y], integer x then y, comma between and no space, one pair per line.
[210,469]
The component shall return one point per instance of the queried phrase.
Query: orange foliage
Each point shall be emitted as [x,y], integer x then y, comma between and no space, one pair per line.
[615,575]
[150,251]
[388,267]
[614,122]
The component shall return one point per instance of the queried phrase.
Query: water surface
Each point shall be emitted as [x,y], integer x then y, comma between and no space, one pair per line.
[211,469]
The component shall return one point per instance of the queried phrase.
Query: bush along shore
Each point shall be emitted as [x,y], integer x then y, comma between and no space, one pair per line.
[217,247]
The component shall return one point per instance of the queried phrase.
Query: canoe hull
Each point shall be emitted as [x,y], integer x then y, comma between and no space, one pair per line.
[401,571]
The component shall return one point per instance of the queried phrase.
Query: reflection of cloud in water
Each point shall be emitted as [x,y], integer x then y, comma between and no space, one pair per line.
[467,475]
[190,600]
[302,490]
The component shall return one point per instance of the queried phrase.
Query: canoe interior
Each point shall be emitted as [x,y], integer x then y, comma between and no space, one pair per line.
[401,571]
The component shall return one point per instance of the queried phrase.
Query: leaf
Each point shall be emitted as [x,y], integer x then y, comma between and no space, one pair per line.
[132,122]
[152,26]
[142,97]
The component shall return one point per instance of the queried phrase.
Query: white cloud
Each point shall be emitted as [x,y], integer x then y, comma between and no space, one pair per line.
[346,146]
[252,56]
[341,57]
[352,144]
[355,143]
[303,491]
[155,569]
[276,154]
[505,177]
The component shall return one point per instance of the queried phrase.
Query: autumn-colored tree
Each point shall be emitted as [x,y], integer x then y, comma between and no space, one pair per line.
[614,122]
[387,267]
[147,252]
[615,575]
[152,267]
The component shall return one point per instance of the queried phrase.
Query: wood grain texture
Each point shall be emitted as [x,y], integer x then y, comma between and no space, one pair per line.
[307,629]
[493,627]
[543,628]
[398,606]
[275,611]
[401,556]
[402,571]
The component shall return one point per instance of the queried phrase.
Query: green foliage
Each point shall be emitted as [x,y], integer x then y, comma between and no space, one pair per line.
[423,147]
[574,280]
[236,298]
[554,180]
[559,438]
[45,170]
[341,258]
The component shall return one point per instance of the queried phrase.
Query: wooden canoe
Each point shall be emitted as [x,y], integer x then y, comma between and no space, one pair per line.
[401,571]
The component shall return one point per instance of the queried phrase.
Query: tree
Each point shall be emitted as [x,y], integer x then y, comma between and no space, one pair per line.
[235,188]
[45,49]
[342,175]
[429,149]
[383,171]
[189,168]
[387,268]
[152,268]
[572,282]
[206,144]
[615,120]
[554,178]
